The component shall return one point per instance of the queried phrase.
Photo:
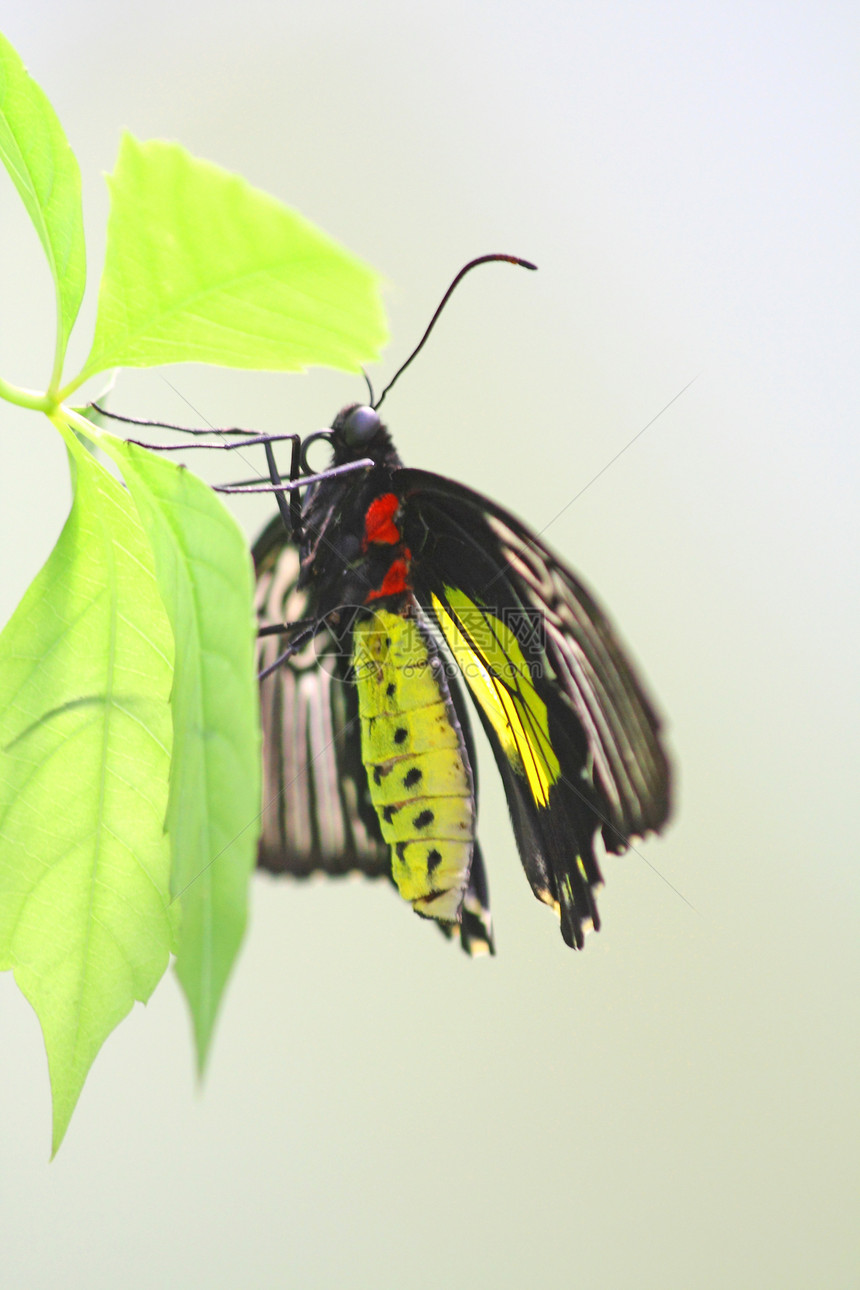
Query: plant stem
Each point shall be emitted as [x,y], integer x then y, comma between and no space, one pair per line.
[68,417]
[27,398]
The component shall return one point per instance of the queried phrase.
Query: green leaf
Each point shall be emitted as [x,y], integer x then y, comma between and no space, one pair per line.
[201,267]
[85,735]
[35,151]
[206,582]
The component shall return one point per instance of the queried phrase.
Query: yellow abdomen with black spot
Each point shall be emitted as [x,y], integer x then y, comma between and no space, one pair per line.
[421,784]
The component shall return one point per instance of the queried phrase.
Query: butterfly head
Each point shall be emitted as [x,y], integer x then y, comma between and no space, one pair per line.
[357,431]
[357,426]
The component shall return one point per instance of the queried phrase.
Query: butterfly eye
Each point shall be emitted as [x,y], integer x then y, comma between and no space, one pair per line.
[360,426]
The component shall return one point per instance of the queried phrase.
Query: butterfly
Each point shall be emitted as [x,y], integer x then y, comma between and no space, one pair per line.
[383,600]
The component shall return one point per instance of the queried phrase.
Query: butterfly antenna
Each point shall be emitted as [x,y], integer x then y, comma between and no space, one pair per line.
[467,268]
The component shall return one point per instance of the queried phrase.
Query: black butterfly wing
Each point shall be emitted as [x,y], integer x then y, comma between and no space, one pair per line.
[574,734]
[317,815]
[317,811]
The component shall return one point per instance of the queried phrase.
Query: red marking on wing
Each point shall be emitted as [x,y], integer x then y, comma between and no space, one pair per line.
[379,526]
[396,580]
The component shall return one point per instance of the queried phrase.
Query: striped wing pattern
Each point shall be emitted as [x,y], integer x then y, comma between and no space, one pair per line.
[574,735]
[315,813]
[582,653]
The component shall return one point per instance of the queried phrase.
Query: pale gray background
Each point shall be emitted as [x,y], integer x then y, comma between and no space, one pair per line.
[676,1107]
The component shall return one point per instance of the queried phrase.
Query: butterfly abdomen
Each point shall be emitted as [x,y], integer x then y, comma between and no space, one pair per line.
[418,770]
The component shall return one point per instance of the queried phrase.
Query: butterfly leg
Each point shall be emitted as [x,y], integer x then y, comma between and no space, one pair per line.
[281,629]
[292,514]
[304,637]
